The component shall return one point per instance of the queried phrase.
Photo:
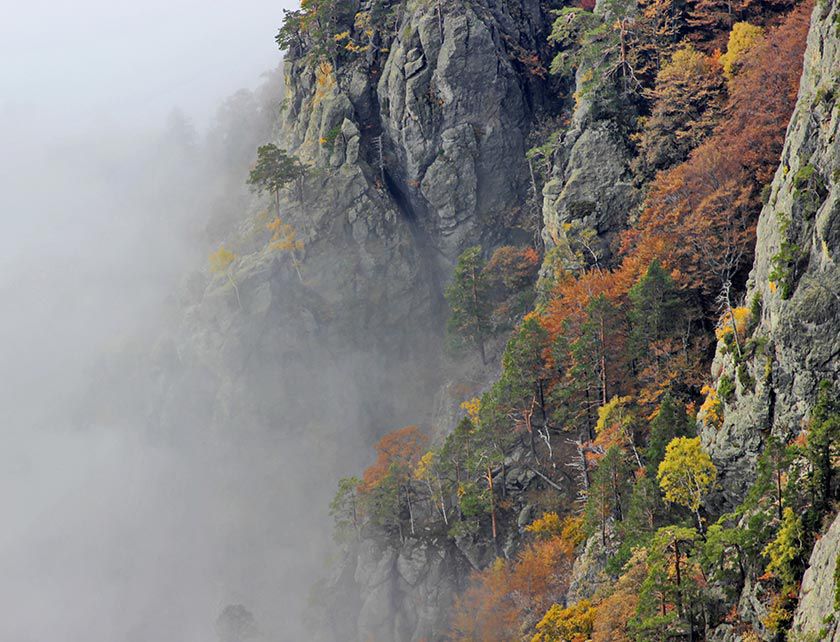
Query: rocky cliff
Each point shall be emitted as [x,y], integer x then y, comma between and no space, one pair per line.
[441,161]
[415,149]
[415,141]
[794,296]
[819,606]
[793,286]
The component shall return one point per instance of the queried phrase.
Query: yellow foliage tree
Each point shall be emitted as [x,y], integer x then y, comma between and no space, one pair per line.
[473,409]
[572,624]
[427,470]
[220,262]
[616,425]
[548,525]
[711,410]
[221,259]
[742,38]
[686,474]
[284,239]
[734,323]
[568,530]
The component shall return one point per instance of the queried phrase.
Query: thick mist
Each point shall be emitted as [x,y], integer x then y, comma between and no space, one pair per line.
[123,166]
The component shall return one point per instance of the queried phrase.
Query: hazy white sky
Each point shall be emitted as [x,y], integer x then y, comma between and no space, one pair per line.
[82,61]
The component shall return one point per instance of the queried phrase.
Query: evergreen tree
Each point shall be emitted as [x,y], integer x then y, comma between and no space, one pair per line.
[345,509]
[522,385]
[598,350]
[469,301]
[608,491]
[823,447]
[670,597]
[670,422]
[655,311]
[273,170]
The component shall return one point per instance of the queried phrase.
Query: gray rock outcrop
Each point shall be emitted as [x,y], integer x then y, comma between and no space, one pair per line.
[795,280]
[817,613]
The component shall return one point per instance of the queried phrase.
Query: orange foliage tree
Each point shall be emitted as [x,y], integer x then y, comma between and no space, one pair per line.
[509,597]
[711,201]
[386,484]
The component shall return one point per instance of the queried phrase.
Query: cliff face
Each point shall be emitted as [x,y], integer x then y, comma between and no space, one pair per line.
[416,149]
[435,118]
[794,280]
[816,614]
[452,113]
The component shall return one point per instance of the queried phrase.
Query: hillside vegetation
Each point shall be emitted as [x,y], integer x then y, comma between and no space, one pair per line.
[578,488]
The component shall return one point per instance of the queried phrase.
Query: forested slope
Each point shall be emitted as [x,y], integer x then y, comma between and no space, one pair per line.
[627,217]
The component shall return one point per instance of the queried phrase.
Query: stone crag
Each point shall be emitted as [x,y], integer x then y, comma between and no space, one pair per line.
[793,283]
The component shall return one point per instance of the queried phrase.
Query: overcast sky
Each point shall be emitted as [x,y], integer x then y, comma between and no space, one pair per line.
[80,62]
[110,535]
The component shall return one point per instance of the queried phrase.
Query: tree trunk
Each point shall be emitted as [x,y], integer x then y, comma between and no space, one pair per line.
[410,510]
[583,468]
[779,493]
[442,500]
[700,524]
[492,502]
[603,360]
[678,577]
[235,289]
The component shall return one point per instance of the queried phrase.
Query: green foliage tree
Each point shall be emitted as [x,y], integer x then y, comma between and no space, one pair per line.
[345,509]
[724,554]
[600,47]
[597,353]
[823,447]
[275,169]
[671,421]
[313,28]
[469,301]
[655,308]
[522,385]
[669,595]
[645,508]
[657,318]
[608,492]
[467,459]
[687,474]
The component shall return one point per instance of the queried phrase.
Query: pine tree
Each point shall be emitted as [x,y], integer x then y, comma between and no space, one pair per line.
[823,447]
[522,385]
[670,422]
[608,491]
[273,170]
[669,594]
[345,509]
[469,301]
